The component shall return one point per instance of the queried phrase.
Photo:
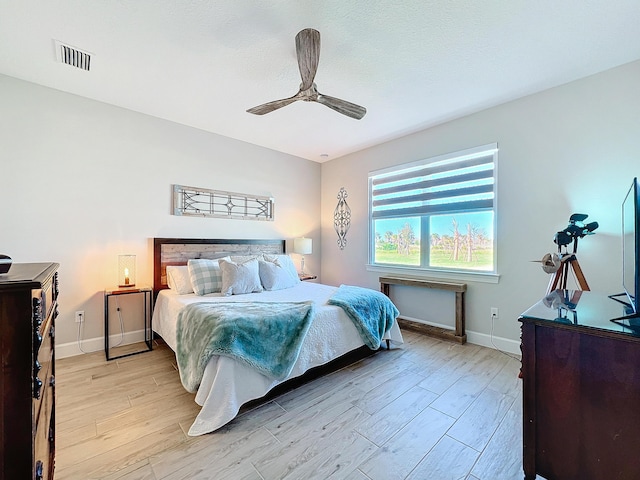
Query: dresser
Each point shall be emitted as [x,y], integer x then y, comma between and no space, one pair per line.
[28,310]
[581,389]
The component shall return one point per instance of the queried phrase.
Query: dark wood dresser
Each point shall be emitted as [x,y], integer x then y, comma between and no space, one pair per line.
[28,309]
[581,389]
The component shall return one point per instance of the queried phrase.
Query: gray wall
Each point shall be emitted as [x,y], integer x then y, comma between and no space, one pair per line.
[574,148]
[83,181]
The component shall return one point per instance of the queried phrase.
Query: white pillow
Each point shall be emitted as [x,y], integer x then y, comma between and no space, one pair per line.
[178,279]
[239,278]
[205,276]
[274,276]
[244,258]
[285,262]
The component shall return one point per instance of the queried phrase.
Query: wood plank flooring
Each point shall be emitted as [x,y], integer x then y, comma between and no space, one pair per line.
[432,410]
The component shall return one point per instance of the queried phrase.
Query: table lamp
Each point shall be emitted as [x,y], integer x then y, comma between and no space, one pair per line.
[302,246]
[126,270]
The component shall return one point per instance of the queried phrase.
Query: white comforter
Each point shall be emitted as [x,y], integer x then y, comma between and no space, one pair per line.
[228,384]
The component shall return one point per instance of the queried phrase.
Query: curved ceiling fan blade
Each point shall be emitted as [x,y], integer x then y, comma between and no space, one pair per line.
[308,52]
[271,106]
[346,108]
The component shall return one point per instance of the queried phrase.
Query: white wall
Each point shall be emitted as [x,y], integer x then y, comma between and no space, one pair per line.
[573,148]
[84,181]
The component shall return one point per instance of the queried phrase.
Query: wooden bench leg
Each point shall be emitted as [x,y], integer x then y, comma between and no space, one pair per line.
[460,320]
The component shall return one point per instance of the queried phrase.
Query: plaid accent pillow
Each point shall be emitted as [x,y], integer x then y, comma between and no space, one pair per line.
[205,276]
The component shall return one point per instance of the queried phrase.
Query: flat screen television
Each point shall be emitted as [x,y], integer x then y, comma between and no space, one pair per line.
[631,247]
[630,253]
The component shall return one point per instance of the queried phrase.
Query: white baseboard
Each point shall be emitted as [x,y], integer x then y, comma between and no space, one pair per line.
[482,339]
[91,345]
[499,343]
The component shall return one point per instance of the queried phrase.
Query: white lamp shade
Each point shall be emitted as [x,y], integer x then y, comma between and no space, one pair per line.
[302,246]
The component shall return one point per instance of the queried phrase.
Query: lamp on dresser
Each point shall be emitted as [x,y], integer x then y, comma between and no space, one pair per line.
[302,246]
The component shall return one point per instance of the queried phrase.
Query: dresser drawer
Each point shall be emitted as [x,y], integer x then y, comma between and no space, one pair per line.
[43,372]
[47,296]
[44,436]
[28,310]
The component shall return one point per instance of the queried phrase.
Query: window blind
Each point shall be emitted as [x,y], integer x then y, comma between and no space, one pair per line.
[445,187]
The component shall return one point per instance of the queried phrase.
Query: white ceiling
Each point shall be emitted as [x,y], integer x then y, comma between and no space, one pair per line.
[411,63]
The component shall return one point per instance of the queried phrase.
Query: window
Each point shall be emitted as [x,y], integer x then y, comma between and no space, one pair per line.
[436,214]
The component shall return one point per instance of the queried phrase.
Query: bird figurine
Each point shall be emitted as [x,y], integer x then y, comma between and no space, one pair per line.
[550,262]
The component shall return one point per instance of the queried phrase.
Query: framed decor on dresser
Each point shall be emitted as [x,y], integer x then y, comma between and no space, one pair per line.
[28,310]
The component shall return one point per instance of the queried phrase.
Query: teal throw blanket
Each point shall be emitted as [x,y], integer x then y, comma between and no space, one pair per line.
[371,311]
[265,336]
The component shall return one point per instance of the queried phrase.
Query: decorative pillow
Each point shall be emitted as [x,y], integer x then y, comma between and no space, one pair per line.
[274,276]
[285,262]
[244,258]
[239,278]
[205,276]
[178,279]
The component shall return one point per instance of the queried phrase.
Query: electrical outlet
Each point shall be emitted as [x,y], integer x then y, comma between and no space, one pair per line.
[80,316]
[494,313]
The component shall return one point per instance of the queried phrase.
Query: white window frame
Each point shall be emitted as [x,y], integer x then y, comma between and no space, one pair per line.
[426,271]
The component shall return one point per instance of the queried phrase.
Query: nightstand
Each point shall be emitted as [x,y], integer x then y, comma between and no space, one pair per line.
[142,307]
[306,276]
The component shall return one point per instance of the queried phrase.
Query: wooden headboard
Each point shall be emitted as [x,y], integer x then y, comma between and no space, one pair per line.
[177,251]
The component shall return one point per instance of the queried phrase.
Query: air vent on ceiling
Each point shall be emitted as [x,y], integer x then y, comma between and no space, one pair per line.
[73,56]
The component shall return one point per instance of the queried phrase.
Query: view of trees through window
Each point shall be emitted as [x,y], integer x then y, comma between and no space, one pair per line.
[460,242]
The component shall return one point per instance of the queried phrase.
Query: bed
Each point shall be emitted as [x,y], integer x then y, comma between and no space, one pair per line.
[227,383]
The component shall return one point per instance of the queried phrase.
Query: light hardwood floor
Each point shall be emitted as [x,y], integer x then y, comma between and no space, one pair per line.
[432,410]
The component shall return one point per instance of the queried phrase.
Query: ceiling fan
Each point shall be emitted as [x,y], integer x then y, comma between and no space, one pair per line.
[308,52]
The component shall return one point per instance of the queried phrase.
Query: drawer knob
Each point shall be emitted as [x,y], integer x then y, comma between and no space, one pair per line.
[52,381]
[37,312]
[36,368]
[37,341]
[39,470]
[37,386]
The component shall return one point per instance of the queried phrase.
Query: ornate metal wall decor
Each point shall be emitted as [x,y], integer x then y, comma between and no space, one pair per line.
[342,218]
[203,202]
